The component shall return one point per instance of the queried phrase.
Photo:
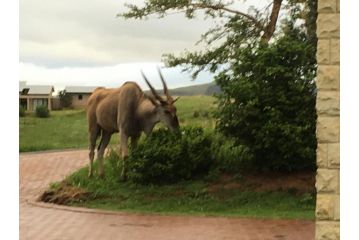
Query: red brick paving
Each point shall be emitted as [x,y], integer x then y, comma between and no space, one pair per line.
[37,222]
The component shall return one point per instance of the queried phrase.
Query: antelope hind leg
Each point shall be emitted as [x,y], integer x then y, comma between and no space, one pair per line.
[105,139]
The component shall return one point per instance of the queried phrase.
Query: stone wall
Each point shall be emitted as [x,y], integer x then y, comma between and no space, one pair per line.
[328,97]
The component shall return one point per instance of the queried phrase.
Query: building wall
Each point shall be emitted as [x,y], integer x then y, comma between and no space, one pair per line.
[328,97]
[77,103]
[55,103]
[30,100]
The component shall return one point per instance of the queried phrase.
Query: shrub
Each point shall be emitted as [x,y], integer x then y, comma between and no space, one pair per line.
[268,103]
[230,158]
[22,111]
[167,157]
[195,114]
[42,111]
[205,114]
[65,99]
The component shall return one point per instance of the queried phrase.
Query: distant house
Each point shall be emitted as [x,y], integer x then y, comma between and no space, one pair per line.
[79,94]
[32,96]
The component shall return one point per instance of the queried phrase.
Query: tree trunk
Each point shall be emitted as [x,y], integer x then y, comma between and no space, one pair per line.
[311,21]
[270,28]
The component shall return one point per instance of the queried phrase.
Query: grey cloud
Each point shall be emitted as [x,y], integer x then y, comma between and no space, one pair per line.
[97,37]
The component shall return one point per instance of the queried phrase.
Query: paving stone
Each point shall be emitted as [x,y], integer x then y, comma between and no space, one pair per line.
[38,170]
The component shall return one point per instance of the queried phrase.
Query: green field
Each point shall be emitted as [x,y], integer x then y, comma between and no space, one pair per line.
[68,128]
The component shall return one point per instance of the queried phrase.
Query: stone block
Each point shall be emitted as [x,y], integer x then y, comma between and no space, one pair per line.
[322,155]
[337,207]
[328,25]
[328,77]
[326,230]
[328,129]
[323,51]
[327,6]
[327,180]
[335,51]
[334,155]
[328,103]
[338,6]
[325,206]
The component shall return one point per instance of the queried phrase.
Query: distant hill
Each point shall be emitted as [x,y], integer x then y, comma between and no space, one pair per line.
[201,89]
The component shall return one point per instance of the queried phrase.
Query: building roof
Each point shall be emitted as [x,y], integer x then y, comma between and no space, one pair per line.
[22,85]
[25,89]
[39,89]
[80,89]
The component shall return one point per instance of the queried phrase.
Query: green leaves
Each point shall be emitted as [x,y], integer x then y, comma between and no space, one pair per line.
[42,111]
[272,107]
[166,157]
[65,99]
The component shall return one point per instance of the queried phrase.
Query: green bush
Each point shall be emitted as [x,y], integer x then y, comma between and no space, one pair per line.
[65,99]
[22,111]
[268,103]
[195,114]
[42,111]
[168,157]
[229,157]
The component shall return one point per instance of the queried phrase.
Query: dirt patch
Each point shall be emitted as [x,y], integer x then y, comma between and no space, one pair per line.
[300,182]
[64,194]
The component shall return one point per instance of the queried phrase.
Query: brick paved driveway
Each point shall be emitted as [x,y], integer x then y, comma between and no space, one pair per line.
[42,221]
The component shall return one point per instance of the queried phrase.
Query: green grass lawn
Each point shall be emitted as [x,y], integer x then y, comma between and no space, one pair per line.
[64,129]
[197,197]
[68,128]
[196,200]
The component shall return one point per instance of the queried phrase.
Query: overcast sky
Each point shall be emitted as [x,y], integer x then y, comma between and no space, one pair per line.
[82,42]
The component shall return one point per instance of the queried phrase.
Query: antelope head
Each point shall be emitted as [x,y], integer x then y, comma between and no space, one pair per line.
[164,108]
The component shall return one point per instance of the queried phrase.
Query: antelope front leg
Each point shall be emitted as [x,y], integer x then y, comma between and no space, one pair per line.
[93,134]
[91,157]
[124,153]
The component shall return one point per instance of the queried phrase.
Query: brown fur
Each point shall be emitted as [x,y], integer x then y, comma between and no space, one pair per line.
[127,110]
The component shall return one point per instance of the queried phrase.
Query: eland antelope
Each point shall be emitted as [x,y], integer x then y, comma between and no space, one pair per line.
[128,111]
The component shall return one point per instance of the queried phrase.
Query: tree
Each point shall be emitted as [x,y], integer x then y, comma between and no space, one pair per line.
[266,73]
[65,99]
[268,103]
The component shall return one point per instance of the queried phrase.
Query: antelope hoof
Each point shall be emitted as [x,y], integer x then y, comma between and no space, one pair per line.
[90,174]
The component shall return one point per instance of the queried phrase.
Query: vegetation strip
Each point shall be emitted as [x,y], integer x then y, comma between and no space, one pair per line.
[233,196]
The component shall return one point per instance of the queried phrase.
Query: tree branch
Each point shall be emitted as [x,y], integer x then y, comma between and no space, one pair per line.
[189,6]
[270,28]
[222,7]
